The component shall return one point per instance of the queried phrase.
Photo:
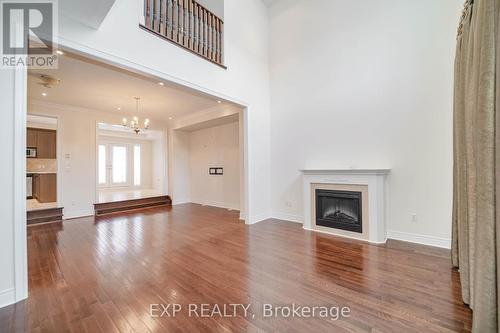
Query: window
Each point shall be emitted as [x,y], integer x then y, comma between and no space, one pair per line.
[102,164]
[137,165]
[119,165]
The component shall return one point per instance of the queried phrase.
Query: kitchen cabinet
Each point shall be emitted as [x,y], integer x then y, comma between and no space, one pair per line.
[31,136]
[35,189]
[46,143]
[45,187]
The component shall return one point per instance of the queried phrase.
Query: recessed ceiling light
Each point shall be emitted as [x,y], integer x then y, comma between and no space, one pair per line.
[118,108]
[59,52]
[219,102]
[170,118]
[161,83]
[44,94]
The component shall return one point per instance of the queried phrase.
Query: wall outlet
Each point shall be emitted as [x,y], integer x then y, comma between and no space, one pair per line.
[413,218]
[288,203]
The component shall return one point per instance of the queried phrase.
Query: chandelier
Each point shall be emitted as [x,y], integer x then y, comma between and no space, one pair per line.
[134,124]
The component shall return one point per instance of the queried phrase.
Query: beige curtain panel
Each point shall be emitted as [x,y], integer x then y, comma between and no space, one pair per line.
[476,195]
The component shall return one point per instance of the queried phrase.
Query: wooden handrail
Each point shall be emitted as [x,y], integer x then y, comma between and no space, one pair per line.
[187,24]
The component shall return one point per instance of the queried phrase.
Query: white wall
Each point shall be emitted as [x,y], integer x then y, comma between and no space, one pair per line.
[245,81]
[366,84]
[215,6]
[179,176]
[77,144]
[215,147]
[159,161]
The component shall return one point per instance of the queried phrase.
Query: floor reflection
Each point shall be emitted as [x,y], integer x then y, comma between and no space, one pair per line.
[102,275]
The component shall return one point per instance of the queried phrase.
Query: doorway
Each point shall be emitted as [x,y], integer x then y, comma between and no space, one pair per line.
[130,166]
[68,164]
[42,170]
[114,164]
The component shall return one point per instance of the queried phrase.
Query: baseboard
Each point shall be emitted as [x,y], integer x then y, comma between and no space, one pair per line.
[419,239]
[259,218]
[180,201]
[288,217]
[7,297]
[216,204]
[391,234]
[243,216]
[77,214]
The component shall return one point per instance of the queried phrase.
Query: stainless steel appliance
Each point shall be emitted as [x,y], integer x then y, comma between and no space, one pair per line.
[29,186]
[31,152]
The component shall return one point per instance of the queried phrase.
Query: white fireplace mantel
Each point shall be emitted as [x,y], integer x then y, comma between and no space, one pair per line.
[345,171]
[373,179]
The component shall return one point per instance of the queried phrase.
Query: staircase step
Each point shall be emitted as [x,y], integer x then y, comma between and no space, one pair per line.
[133,204]
[48,215]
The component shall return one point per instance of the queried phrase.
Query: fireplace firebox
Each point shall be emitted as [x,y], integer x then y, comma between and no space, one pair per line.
[339,210]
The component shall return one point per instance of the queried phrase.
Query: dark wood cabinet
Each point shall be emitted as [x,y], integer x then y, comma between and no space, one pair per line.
[31,138]
[46,143]
[45,187]
[36,186]
[44,184]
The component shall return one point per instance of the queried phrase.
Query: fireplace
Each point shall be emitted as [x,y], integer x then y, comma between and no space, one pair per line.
[339,210]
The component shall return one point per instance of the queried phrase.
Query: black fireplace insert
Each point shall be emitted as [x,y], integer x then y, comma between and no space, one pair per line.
[339,210]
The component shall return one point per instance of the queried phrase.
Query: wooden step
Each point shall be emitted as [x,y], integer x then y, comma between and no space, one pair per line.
[133,204]
[48,215]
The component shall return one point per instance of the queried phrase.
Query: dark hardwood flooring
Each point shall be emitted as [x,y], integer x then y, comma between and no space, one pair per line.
[101,275]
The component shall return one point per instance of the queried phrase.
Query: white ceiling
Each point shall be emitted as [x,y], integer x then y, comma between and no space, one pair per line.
[122,132]
[270,2]
[92,85]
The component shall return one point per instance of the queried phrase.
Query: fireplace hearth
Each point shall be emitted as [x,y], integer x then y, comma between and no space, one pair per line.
[339,210]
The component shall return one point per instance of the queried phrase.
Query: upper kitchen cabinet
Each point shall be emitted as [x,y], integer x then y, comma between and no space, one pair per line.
[31,138]
[46,143]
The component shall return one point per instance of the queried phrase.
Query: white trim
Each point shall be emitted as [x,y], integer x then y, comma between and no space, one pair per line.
[19,233]
[245,204]
[347,171]
[180,201]
[258,218]
[217,204]
[288,217]
[420,239]
[7,297]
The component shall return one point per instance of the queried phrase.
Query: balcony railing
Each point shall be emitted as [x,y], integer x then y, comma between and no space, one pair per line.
[187,24]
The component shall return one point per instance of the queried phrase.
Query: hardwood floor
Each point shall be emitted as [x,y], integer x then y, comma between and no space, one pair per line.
[102,275]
